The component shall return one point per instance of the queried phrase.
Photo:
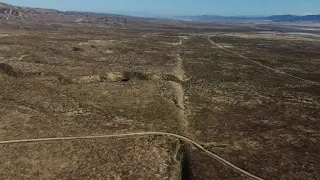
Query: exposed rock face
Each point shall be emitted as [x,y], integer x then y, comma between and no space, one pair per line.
[10,11]
[115,20]
[4,5]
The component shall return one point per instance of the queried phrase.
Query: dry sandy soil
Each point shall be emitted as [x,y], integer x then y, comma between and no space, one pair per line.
[223,86]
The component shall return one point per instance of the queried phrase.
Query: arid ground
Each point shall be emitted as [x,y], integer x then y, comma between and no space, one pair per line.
[250,95]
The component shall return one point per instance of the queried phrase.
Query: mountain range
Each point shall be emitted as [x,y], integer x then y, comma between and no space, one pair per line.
[17,13]
[9,12]
[276,18]
[294,18]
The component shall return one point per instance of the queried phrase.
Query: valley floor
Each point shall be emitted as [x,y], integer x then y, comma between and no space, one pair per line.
[250,95]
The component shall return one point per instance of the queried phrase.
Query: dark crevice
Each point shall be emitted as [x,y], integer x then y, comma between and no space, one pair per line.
[125,79]
[186,172]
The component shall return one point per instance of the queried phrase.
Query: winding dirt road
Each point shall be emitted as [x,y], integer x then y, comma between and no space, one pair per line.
[170,135]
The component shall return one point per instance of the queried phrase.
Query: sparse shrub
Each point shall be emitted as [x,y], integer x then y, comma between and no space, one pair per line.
[77,49]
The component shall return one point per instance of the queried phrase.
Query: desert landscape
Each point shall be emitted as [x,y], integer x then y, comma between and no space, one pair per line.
[249,93]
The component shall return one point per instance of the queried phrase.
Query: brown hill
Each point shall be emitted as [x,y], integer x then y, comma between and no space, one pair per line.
[11,13]
[8,11]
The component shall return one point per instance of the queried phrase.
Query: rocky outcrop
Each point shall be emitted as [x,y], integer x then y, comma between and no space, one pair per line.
[8,12]
[16,12]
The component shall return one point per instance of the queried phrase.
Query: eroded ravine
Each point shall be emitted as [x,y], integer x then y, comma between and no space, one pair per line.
[180,101]
[179,93]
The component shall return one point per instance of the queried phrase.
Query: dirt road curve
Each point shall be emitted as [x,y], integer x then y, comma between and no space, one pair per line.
[182,138]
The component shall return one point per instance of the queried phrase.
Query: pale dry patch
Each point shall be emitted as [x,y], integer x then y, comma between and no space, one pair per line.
[5,35]
[88,79]
[79,20]
[277,36]
[179,70]
[108,51]
[181,38]
[23,56]
[98,42]
[115,76]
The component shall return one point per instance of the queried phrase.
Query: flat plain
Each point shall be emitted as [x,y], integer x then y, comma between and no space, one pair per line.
[248,94]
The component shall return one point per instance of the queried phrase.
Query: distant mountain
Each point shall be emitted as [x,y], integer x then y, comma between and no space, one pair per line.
[216,17]
[294,18]
[313,18]
[287,17]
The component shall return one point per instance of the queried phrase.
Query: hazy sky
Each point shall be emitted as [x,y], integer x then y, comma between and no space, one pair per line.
[181,7]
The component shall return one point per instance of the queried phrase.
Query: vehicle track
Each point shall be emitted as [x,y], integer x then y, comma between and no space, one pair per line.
[177,136]
[180,42]
[262,65]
